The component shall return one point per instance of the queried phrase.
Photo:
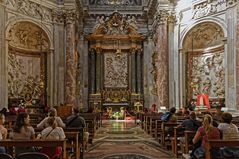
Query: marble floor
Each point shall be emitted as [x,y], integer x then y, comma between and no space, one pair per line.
[123,139]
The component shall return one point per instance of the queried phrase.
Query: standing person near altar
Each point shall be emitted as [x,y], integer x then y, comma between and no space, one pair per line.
[203,100]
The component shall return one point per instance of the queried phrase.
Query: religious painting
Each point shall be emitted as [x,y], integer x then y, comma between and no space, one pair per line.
[115,70]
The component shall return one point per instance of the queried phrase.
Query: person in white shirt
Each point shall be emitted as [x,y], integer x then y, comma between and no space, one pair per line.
[52,132]
[52,113]
[228,129]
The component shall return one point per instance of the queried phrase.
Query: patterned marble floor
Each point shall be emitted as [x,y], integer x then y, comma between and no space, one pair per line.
[123,139]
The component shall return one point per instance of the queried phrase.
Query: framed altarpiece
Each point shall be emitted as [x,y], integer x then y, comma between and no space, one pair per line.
[115,63]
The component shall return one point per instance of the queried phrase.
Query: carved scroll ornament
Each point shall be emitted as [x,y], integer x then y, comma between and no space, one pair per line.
[115,24]
[28,36]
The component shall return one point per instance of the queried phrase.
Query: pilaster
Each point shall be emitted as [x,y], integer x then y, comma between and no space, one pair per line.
[3,59]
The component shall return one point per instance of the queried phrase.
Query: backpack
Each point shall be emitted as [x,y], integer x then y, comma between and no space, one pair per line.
[165,117]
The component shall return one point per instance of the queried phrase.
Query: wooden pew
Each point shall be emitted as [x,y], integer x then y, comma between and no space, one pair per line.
[152,126]
[90,119]
[217,144]
[76,136]
[158,130]
[36,143]
[164,126]
[176,134]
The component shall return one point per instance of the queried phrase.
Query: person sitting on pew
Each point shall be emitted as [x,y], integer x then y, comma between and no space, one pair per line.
[52,113]
[172,117]
[191,124]
[205,132]
[229,131]
[3,132]
[23,131]
[77,121]
[52,132]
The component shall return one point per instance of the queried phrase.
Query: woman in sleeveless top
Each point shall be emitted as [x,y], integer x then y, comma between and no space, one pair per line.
[3,132]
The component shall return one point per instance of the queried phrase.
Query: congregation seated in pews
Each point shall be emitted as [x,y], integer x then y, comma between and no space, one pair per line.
[196,134]
[51,135]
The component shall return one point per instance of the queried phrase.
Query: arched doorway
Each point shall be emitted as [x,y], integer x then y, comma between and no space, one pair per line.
[28,46]
[204,68]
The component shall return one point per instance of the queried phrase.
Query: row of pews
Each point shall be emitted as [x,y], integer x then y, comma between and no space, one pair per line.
[152,124]
[74,136]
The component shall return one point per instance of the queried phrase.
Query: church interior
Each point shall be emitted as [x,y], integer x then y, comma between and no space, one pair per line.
[116,79]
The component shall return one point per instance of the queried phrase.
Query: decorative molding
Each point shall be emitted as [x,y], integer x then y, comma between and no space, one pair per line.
[115,2]
[28,36]
[206,8]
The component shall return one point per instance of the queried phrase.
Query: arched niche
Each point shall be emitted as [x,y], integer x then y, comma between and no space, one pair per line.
[203,60]
[28,45]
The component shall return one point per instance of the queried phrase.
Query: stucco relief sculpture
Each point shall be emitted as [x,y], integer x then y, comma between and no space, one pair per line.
[206,8]
[204,35]
[116,70]
[26,35]
[30,8]
[24,78]
[115,24]
[208,75]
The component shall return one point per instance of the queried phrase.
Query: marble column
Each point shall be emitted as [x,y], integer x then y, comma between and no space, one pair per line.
[230,54]
[133,71]
[92,71]
[85,73]
[59,60]
[50,78]
[171,61]
[139,71]
[70,59]
[3,59]
[237,59]
[98,70]
[162,65]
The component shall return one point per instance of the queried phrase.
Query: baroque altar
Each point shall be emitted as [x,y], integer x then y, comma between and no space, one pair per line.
[115,62]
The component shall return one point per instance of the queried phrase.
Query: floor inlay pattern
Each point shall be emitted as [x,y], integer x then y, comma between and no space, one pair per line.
[124,140]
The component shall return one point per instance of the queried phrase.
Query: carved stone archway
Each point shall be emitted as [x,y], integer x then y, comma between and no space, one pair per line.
[28,46]
[203,55]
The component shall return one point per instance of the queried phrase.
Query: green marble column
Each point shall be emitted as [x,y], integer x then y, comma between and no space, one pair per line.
[139,71]
[133,71]
[92,71]
[98,70]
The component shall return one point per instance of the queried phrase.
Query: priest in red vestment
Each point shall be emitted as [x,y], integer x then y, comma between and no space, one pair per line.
[203,99]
